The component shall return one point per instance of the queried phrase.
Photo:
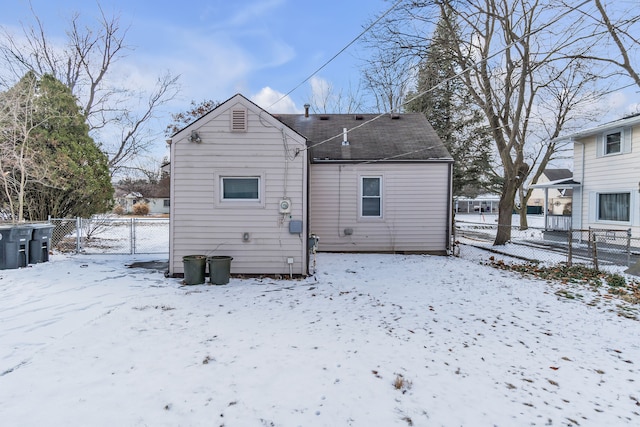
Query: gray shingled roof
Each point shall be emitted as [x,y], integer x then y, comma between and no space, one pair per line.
[406,137]
[557,174]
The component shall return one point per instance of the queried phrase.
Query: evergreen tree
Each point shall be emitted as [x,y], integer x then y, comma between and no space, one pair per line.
[73,177]
[447,105]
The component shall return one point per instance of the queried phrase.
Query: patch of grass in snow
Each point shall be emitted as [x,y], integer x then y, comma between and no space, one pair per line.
[615,285]
[402,384]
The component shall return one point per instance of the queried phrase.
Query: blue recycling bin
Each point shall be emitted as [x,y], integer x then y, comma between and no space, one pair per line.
[14,246]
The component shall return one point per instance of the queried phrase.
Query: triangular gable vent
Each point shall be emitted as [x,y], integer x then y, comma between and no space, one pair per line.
[239,120]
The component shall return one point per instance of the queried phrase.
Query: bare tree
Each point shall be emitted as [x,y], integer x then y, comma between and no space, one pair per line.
[85,65]
[325,98]
[19,162]
[389,73]
[611,33]
[510,54]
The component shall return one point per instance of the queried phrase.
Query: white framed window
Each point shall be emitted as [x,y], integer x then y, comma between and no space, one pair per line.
[614,207]
[614,142]
[238,188]
[371,196]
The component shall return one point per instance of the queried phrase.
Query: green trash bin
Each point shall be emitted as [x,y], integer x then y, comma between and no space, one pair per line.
[219,269]
[194,269]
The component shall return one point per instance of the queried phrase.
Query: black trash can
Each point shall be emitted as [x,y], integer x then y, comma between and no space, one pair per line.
[219,269]
[40,243]
[14,246]
[194,269]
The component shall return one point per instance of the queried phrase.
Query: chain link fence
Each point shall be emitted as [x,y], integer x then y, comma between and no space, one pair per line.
[592,247]
[110,235]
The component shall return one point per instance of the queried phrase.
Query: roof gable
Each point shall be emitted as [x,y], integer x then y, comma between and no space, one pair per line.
[371,137]
[236,102]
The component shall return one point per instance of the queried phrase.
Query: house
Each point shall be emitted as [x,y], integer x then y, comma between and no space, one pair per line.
[556,199]
[607,166]
[127,200]
[156,205]
[239,188]
[480,204]
[254,186]
[378,183]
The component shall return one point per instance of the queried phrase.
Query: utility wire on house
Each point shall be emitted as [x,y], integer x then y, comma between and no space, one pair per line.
[466,70]
[366,30]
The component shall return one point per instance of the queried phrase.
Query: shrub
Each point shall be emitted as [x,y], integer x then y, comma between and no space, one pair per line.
[140,209]
[616,280]
[119,210]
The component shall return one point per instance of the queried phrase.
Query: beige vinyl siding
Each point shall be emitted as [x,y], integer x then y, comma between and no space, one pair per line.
[415,204]
[617,173]
[203,224]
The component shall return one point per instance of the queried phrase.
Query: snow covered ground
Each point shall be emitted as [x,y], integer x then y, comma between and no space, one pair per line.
[371,340]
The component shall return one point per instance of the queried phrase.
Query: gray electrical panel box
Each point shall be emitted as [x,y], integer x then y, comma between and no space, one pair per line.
[295,226]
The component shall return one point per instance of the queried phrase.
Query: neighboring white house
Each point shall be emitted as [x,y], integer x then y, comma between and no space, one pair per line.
[158,205]
[607,165]
[127,200]
[254,186]
[558,200]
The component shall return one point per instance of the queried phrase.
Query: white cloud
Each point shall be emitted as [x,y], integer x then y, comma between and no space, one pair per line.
[273,101]
[253,12]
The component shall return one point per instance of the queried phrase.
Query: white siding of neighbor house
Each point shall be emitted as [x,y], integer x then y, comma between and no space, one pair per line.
[202,224]
[157,206]
[607,174]
[558,203]
[415,208]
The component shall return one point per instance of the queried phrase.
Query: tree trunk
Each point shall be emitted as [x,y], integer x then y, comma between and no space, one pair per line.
[505,212]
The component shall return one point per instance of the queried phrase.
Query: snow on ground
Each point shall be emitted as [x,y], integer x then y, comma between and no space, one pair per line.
[371,340]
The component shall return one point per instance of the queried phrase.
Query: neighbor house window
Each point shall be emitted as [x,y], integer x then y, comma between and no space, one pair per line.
[371,190]
[612,142]
[614,206]
[240,188]
[167,203]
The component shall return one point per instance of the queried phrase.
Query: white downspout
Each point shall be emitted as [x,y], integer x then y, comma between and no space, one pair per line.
[581,181]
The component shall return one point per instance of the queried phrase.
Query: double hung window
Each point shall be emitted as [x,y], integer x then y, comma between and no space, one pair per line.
[371,191]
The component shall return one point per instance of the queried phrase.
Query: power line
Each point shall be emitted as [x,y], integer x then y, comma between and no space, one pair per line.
[466,70]
[339,53]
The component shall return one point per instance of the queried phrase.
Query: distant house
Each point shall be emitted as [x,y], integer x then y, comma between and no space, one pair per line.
[254,186]
[558,199]
[157,205]
[482,203]
[607,165]
[127,200]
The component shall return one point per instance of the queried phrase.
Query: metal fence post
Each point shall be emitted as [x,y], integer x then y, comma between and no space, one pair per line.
[628,247]
[78,233]
[133,236]
[570,249]
[595,252]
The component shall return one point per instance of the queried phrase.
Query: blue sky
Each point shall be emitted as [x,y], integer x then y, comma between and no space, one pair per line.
[260,48]
[222,47]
